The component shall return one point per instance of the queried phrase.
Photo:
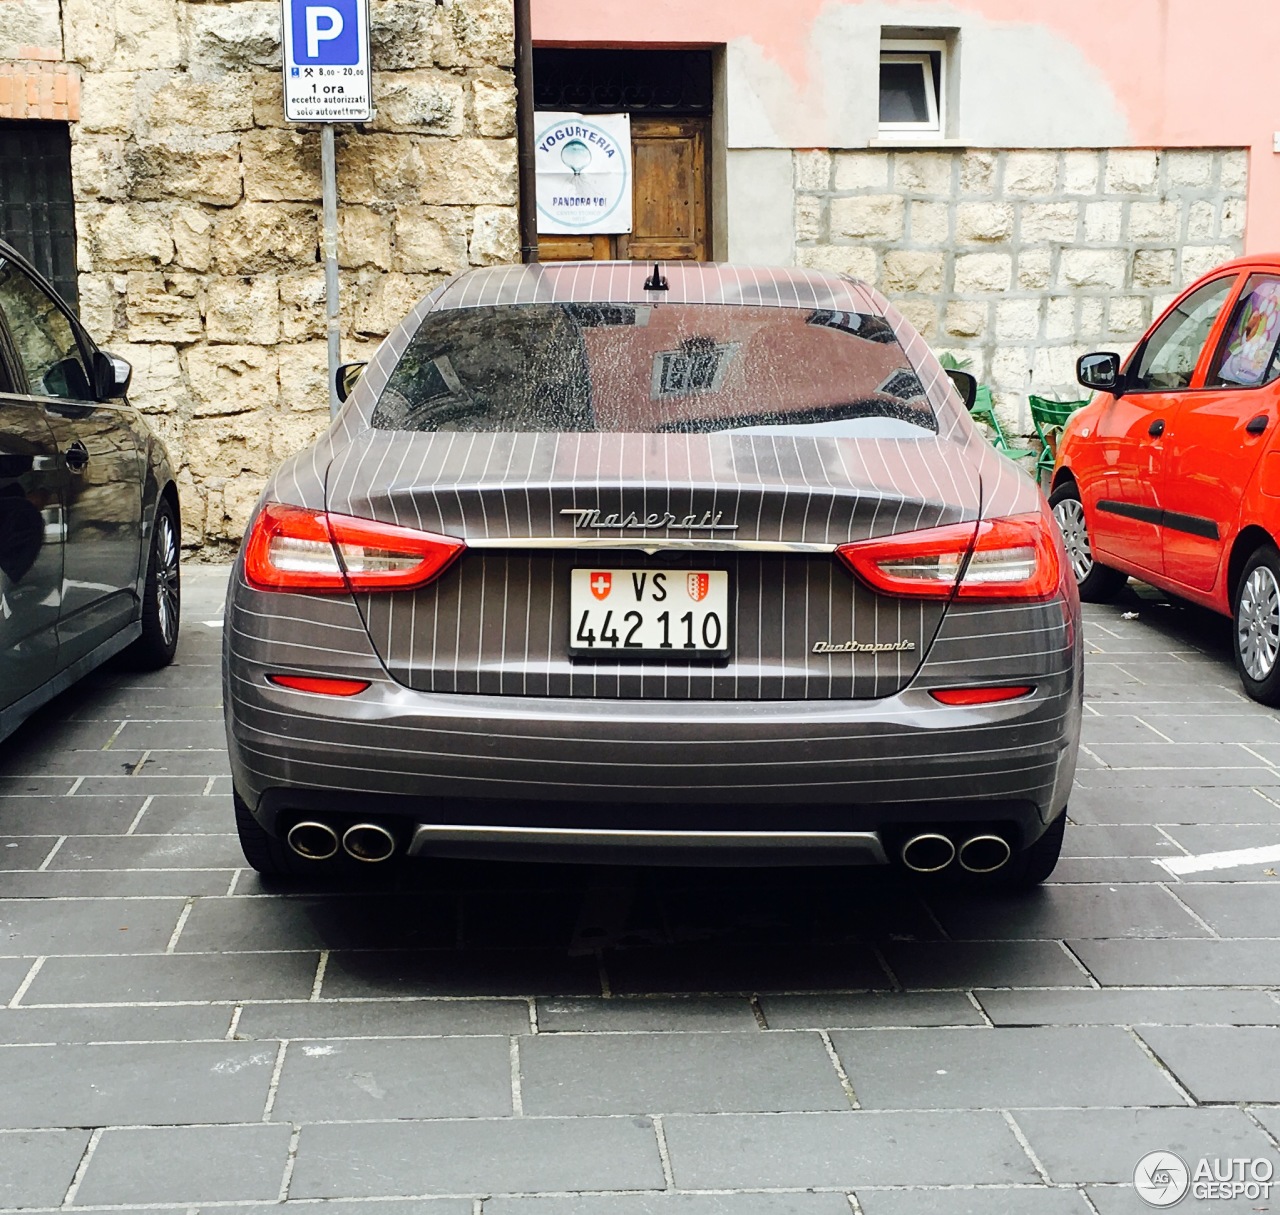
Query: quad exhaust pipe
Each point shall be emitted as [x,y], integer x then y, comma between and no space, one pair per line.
[932,852]
[984,853]
[368,842]
[928,853]
[316,841]
[312,840]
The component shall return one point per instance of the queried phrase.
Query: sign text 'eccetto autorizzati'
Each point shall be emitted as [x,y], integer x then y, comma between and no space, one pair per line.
[583,164]
[327,76]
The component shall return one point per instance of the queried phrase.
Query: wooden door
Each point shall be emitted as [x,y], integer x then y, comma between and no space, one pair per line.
[669,200]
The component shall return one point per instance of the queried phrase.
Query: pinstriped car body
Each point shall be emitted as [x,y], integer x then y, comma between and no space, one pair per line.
[478,725]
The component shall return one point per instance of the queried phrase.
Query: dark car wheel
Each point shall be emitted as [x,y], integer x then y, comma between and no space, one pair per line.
[1097,583]
[269,856]
[1033,865]
[1256,625]
[161,596]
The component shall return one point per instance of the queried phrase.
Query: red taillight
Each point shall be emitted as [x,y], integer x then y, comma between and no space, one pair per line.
[324,687]
[292,549]
[979,696]
[1012,558]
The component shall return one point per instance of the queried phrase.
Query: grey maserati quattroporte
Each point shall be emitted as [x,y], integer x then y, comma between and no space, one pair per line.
[682,564]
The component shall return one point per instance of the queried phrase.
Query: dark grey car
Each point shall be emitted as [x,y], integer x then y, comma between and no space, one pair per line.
[702,564]
[89,538]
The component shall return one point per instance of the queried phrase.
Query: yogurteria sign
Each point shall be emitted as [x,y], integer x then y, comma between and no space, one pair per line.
[584,173]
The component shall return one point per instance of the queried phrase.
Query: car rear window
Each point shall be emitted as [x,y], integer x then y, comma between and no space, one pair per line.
[654,368]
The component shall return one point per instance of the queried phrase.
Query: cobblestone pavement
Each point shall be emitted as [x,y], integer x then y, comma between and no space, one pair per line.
[490,1039]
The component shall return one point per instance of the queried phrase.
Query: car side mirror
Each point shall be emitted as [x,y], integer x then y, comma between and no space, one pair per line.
[112,376]
[345,378]
[1100,372]
[965,384]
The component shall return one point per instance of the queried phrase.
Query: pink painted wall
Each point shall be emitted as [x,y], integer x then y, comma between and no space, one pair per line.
[1185,73]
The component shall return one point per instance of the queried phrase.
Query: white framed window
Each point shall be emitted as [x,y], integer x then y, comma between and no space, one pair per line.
[913,87]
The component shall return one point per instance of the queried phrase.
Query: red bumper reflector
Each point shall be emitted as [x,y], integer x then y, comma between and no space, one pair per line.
[325,687]
[979,696]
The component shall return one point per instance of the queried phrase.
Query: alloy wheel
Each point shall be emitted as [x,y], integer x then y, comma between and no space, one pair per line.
[1258,623]
[1070,516]
[166,543]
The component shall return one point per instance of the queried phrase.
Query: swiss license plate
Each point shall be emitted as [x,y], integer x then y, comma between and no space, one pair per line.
[671,612]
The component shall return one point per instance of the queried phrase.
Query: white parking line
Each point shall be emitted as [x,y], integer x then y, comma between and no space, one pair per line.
[1220,860]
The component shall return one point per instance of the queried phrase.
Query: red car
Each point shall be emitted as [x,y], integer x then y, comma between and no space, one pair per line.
[1172,473]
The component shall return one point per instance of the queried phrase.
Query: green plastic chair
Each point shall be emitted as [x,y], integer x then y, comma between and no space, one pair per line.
[984,410]
[1049,417]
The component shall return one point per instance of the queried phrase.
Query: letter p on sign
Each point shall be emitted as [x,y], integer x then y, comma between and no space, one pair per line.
[317,33]
[325,33]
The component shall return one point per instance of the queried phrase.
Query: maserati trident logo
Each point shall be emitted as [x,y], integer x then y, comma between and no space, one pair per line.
[863,647]
[585,518]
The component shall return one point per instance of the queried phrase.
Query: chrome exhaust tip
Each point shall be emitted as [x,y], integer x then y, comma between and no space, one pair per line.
[985,853]
[368,842]
[928,853]
[312,840]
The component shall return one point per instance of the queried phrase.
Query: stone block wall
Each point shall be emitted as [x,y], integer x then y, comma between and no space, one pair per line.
[1020,261]
[198,208]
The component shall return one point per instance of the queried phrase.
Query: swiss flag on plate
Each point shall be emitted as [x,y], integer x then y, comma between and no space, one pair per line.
[601,583]
[697,585]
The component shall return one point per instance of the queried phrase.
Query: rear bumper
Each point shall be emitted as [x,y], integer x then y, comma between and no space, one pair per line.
[509,775]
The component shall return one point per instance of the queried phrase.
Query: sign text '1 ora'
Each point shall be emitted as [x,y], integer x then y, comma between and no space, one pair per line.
[326,61]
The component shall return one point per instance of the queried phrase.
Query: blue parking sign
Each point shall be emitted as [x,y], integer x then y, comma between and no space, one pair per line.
[326,33]
[327,76]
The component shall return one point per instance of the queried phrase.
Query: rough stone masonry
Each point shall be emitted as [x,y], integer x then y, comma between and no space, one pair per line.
[1020,261]
[197,207]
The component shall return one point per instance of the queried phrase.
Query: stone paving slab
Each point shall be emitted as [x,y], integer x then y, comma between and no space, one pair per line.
[101,926]
[170,977]
[640,1015]
[1186,963]
[329,1081]
[968,964]
[674,1204]
[1135,1006]
[1095,1145]
[477,1156]
[1071,911]
[37,1167]
[385,1018]
[183,1163]
[678,1073]
[884,1010]
[844,1150]
[975,1069]
[464,1038]
[165,1084]
[1221,1063]
[1165,803]
[986,1200]
[116,1023]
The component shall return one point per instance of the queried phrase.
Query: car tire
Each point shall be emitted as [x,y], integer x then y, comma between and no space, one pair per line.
[161,595]
[269,856]
[1033,865]
[1255,625]
[1097,583]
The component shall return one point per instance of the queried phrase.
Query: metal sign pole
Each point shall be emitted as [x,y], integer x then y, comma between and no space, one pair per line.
[328,78]
[329,193]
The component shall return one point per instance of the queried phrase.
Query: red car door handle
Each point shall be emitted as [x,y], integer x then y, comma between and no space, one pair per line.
[1156,429]
[1256,426]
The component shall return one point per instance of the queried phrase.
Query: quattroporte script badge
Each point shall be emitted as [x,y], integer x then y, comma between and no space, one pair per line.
[863,647]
